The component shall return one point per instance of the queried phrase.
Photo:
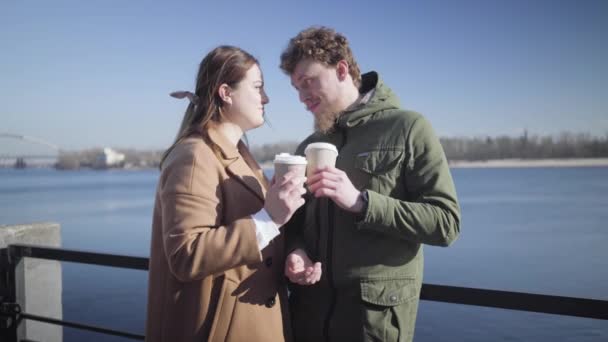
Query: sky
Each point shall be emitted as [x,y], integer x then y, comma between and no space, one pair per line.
[84,74]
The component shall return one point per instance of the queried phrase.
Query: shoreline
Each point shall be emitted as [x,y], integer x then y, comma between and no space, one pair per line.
[512,163]
[454,164]
[527,163]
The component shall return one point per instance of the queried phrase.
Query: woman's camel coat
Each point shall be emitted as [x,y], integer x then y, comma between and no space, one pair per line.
[208,280]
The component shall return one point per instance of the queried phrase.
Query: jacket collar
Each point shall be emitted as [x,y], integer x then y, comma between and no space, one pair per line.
[228,151]
[375,96]
[239,163]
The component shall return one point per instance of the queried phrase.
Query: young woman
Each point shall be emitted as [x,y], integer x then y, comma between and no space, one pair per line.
[216,261]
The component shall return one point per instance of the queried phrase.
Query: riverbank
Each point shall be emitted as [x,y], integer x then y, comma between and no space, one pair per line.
[494,163]
[514,163]
[525,163]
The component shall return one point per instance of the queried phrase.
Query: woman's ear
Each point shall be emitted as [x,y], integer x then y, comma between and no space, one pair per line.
[225,94]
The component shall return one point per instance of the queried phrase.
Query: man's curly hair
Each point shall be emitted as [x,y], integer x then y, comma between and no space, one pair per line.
[321,44]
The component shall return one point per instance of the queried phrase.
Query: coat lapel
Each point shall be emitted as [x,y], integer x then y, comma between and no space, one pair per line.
[254,166]
[238,165]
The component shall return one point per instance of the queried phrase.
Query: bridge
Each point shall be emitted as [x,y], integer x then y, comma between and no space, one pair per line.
[19,159]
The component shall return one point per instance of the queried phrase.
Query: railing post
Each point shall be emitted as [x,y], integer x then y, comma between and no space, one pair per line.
[8,297]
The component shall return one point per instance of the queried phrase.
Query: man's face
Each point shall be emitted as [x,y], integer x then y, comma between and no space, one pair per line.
[319,89]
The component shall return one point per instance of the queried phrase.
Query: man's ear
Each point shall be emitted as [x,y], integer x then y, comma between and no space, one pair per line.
[225,93]
[342,70]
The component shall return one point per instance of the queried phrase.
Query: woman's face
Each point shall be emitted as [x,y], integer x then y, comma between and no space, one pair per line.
[248,100]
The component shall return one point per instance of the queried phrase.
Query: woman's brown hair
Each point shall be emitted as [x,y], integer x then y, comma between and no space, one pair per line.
[222,65]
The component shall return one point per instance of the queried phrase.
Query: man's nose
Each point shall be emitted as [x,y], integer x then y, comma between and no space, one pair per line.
[303,96]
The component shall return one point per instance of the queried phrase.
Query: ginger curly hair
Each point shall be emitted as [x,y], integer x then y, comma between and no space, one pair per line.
[321,44]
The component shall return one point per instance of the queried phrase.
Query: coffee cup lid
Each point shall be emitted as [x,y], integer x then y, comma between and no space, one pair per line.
[321,145]
[286,158]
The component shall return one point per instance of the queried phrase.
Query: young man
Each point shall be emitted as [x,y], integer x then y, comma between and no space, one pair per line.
[365,220]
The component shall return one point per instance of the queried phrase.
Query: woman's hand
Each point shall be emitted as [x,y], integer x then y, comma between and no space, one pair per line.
[285,197]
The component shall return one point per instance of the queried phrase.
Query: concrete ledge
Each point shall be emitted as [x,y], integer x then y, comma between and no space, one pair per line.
[41,233]
[38,282]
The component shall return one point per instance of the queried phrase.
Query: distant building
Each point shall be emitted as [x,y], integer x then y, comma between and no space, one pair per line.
[109,158]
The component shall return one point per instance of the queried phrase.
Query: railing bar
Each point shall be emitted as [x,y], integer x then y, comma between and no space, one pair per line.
[101,259]
[569,306]
[82,326]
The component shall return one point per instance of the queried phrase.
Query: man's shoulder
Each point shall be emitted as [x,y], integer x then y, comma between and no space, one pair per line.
[400,114]
[397,119]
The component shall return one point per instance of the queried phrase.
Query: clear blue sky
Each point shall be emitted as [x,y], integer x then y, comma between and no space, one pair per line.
[97,73]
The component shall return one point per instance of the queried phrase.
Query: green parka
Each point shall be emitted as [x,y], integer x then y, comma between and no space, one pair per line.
[373,262]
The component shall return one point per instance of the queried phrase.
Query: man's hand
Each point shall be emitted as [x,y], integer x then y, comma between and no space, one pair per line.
[300,269]
[334,183]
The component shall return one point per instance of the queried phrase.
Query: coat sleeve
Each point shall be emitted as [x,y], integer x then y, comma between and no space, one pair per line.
[293,228]
[293,232]
[197,242]
[431,214]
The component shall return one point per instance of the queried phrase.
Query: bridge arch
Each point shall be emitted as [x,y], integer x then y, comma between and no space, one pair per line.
[18,159]
[30,139]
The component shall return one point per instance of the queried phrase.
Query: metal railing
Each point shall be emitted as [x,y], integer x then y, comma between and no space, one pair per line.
[10,311]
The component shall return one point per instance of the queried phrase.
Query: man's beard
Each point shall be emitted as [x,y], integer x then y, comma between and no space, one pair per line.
[325,123]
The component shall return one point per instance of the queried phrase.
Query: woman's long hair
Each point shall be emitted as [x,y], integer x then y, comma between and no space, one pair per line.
[223,65]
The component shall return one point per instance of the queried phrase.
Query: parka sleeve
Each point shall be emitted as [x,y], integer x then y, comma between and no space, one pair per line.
[196,241]
[431,214]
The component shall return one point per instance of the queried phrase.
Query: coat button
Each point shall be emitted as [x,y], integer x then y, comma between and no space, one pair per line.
[268,261]
[270,302]
[393,298]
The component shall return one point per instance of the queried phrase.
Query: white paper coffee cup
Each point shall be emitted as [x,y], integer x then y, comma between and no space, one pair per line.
[320,155]
[285,162]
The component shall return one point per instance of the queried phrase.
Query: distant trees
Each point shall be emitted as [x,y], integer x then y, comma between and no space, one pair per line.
[565,145]
[526,146]
[266,152]
[69,160]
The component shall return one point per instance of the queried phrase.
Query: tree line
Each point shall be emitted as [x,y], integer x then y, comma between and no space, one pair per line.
[565,145]
[526,146]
